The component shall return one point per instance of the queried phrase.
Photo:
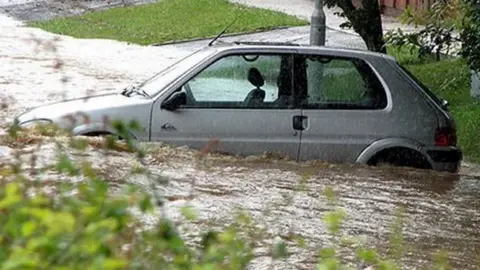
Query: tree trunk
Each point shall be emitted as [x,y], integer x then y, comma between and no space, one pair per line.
[370,20]
[372,34]
[366,20]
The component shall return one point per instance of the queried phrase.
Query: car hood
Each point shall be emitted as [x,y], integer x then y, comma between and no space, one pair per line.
[87,105]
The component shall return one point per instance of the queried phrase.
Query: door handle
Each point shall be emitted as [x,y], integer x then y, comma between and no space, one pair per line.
[299,122]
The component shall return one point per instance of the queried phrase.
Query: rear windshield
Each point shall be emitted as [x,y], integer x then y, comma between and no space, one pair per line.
[424,87]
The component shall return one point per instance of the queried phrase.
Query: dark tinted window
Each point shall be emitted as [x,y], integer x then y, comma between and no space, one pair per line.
[342,83]
[419,83]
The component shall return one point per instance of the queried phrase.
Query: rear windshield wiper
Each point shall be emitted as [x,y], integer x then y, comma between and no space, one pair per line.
[131,89]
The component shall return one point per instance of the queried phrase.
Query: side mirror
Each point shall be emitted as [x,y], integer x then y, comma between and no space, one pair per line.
[174,101]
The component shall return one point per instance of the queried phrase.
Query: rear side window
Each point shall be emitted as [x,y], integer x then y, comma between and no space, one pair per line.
[342,83]
[421,85]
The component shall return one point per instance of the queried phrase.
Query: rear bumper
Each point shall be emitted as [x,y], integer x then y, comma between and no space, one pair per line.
[446,159]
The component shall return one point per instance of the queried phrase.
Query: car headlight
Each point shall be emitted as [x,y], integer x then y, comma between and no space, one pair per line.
[35,122]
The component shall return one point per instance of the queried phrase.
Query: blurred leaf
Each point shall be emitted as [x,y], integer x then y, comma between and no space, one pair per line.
[329,192]
[40,200]
[300,241]
[134,126]
[109,224]
[137,169]
[6,171]
[110,142]
[369,256]
[146,203]
[100,187]
[440,261]
[87,170]
[28,228]
[280,250]
[111,263]
[14,129]
[334,220]
[326,253]
[90,211]
[12,196]
[329,264]
[227,236]
[20,263]
[65,165]
[244,218]
[189,213]
[387,265]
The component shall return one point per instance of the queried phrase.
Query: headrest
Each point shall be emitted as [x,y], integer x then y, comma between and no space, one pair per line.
[255,77]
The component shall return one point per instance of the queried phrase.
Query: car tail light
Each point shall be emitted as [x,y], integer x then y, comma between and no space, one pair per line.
[445,137]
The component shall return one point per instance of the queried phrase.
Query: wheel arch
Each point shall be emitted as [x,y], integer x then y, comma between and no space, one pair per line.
[384,145]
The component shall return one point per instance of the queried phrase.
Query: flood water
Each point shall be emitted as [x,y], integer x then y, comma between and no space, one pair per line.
[440,210]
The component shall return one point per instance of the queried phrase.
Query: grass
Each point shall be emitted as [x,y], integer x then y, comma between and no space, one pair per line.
[450,80]
[168,20]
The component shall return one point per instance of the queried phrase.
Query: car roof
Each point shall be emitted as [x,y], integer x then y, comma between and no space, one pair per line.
[226,46]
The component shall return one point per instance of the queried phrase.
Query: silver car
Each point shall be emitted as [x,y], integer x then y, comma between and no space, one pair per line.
[307,102]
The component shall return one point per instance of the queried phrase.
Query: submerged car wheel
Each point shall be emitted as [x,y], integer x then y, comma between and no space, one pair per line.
[401,157]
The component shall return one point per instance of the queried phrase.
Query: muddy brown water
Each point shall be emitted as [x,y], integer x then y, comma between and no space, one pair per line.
[441,211]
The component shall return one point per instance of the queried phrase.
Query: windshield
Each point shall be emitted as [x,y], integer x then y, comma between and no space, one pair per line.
[424,87]
[159,81]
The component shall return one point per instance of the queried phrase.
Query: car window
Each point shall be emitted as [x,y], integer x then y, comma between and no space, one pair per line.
[427,90]
[242,81]
[342,83]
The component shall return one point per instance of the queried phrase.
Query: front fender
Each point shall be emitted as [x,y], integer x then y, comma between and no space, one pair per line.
[387,143]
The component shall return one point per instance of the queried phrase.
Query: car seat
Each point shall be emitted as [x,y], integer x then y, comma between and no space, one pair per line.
[256,96]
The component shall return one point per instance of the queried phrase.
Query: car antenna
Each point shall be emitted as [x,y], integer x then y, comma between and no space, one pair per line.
[223,31]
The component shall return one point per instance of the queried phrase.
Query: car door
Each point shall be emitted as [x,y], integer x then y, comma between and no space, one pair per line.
[223,102]
[344,106]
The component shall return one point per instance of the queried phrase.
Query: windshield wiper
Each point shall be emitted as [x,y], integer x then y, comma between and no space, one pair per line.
[131,89]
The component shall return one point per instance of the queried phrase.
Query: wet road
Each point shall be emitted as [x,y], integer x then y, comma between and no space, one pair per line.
[441,211]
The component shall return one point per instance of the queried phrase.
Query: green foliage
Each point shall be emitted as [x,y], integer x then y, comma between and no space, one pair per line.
[471,37]
[168,20]
[437,34]
[468,128]
[446,24]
